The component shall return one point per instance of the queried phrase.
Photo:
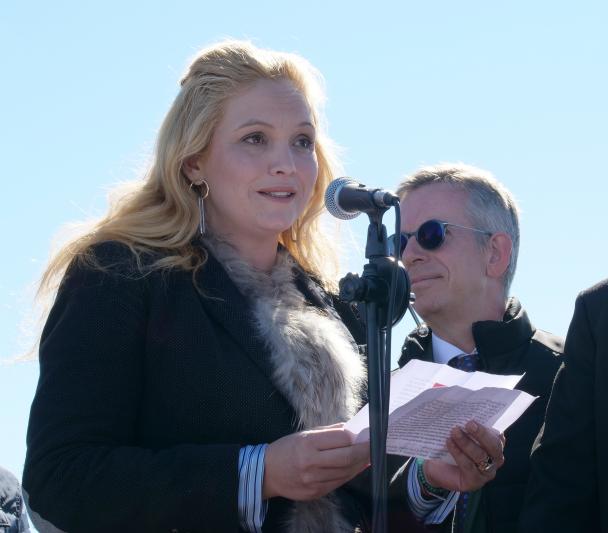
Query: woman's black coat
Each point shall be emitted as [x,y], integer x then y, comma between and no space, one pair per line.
[148,389]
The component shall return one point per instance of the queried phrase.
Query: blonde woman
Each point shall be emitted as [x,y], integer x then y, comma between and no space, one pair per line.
[195,365]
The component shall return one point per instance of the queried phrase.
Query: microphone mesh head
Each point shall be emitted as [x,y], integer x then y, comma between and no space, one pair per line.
[331,199]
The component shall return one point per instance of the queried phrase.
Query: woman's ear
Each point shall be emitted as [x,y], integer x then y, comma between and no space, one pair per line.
[193,168]
[500,248]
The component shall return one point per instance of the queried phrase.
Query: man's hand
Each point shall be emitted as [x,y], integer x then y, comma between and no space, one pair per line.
[473,449]
[310,464]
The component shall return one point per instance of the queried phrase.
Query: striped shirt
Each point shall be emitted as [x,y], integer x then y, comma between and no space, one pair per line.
[432,511]
[252,508]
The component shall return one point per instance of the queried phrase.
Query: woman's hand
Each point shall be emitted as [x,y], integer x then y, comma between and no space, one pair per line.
[310,464]
[478,452]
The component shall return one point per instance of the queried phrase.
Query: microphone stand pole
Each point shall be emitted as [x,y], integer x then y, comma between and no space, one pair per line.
[371,291]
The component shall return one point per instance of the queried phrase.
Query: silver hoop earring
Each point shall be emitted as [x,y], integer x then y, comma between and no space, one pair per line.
[203,192]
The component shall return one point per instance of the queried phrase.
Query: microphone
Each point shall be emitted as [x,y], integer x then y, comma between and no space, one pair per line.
[345,198]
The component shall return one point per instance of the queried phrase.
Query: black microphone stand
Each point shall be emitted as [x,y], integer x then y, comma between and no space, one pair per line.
[372,293]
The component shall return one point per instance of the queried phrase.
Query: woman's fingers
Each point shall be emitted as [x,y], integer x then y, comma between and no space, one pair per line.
[310,464]
[327,438]
[353,457]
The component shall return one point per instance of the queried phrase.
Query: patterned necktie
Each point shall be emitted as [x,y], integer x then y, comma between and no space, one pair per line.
[467,363]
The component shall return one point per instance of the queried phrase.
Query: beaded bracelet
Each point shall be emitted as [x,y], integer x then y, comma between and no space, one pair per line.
[438,492]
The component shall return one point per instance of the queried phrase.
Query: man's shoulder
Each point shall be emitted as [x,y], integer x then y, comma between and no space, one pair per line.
[597,295]
[545,340]
[591,307]
[542,359]
[540,341]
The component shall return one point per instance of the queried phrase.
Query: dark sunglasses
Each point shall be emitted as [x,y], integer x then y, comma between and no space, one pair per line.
[430,235]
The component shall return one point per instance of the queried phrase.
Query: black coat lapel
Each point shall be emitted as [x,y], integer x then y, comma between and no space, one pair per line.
[221,298]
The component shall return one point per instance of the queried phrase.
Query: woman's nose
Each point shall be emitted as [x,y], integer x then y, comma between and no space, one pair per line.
[282,161]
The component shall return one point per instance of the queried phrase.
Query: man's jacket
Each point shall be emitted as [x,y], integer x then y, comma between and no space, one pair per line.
[511,346]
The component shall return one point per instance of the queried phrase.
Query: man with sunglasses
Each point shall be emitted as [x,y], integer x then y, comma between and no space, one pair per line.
[459,243]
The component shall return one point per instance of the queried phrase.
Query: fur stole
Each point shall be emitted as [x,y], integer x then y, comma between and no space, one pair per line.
[316,365]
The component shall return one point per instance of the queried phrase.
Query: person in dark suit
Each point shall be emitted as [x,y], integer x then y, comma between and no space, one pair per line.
[568,488]
[460,240]
[196,367]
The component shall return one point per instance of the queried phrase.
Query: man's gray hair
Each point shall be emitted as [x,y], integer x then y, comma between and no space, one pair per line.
[490,206]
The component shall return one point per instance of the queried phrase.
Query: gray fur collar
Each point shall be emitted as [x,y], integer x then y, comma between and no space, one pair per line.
[316,364]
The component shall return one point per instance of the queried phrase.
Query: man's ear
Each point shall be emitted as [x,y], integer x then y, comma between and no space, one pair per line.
[193,168]
[500,248]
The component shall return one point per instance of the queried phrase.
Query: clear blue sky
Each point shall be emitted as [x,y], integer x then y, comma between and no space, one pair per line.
[516,87]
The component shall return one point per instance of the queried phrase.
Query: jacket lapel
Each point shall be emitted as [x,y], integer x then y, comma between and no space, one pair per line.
[221,298]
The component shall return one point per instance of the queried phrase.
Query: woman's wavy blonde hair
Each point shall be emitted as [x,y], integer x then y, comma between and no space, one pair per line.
[160,213]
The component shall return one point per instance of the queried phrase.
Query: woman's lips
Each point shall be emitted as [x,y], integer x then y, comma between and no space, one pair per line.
[278,193]
[278,196]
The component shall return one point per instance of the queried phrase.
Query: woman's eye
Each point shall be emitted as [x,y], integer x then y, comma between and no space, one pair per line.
[255,138]
[305,143]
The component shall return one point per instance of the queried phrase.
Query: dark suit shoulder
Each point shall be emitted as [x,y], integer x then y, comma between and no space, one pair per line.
[549,341]
[595,296]
[543,358]
[590,309]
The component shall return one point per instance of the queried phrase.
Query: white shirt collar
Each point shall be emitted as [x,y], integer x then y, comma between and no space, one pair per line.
[443,351]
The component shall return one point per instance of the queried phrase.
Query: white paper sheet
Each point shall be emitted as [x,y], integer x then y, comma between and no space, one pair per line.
[428,399]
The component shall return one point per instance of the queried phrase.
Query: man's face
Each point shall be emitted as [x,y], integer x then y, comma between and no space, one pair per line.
[450,282]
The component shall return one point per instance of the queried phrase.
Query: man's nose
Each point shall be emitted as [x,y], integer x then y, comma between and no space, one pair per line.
[413,252]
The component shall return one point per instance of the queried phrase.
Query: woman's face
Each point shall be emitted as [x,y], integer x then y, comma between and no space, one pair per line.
[261,165]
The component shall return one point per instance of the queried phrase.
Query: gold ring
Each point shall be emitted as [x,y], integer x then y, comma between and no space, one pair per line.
[486,465]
